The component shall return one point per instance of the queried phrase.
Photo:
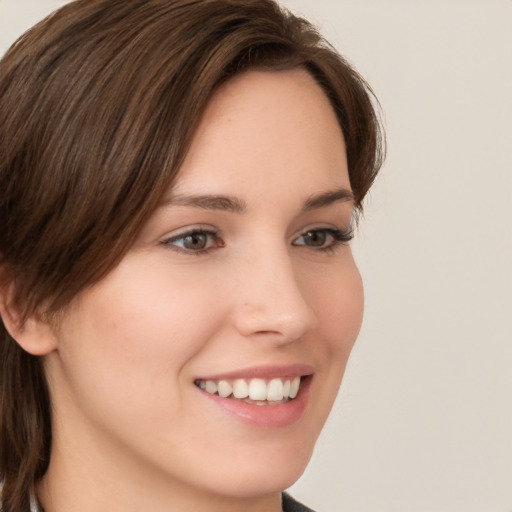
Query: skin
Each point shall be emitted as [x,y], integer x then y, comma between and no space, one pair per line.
[131,430]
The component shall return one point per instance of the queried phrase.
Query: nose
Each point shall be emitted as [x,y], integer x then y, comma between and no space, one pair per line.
[271,304]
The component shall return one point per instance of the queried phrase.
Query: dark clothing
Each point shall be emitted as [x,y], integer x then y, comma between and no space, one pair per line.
[290,505]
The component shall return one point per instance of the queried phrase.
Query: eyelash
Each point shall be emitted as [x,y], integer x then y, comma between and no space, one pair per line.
[170,242]
[338,238]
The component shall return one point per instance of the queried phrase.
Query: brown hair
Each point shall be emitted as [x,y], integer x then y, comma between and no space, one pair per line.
[98,105]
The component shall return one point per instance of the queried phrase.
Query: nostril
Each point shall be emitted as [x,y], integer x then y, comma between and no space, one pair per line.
[274,325]
[272,304]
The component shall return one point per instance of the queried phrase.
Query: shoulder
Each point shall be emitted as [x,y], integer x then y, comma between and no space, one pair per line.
[290,505]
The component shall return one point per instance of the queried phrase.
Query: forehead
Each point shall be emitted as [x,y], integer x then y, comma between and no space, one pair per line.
[263,127]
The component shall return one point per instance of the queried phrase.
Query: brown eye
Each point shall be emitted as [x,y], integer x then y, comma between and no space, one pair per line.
[195,241]
[323,238]
[314,238]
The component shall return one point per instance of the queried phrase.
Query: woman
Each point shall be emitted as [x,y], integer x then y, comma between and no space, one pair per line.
[179,184]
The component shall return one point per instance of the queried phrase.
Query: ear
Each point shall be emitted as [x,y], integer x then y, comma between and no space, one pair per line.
[34,335]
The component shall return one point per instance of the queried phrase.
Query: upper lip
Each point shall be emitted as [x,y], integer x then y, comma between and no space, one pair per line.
[263,372]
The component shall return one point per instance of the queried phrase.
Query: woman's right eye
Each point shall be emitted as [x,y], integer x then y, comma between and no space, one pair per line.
[196,241]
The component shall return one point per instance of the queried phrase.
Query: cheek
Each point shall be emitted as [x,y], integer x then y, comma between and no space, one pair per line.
[339,302]
[336,295]
[149,312]
[131,336]
[345,313]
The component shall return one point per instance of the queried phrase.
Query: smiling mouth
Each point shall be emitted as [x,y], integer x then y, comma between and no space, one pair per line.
[254,391]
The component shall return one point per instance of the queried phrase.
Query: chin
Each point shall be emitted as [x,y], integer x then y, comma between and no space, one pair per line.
[270,480]
[265,470]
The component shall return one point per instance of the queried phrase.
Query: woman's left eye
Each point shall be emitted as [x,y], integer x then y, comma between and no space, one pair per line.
[196,241]
[324,238]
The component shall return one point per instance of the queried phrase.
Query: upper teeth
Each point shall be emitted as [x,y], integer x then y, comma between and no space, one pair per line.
[254,389]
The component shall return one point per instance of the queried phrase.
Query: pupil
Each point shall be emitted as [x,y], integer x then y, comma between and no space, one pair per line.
[315,238]
[196,241]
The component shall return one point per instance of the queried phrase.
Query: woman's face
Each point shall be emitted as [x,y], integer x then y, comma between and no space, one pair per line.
[241,279]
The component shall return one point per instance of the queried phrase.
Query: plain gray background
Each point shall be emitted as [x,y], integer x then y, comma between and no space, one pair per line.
[423,422]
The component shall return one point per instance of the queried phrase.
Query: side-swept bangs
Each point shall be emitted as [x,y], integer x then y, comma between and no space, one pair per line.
[99,103]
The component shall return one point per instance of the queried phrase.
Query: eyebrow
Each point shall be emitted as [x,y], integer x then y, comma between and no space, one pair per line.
[236,205]
[209,202]
[325,199]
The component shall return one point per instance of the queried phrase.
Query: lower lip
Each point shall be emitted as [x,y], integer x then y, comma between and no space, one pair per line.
[265,416]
